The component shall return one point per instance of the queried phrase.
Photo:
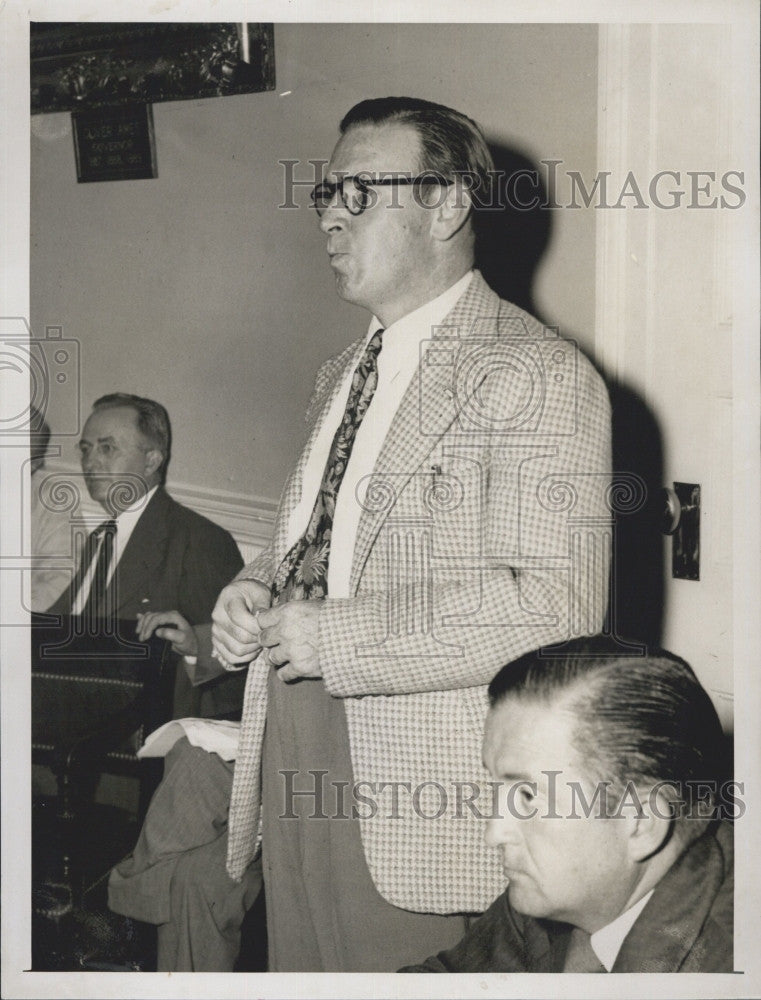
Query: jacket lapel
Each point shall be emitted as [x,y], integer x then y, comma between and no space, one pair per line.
[666,930]
[332,377]
[144,552]
[420,422]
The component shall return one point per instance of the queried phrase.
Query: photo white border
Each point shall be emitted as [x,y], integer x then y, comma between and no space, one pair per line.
[14,275]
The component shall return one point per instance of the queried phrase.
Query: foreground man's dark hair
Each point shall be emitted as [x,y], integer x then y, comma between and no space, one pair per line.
[639,719]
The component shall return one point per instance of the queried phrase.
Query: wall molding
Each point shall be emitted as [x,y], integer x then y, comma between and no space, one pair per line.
[249,519]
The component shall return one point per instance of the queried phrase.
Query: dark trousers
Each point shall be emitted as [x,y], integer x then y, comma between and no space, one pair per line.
[324,913]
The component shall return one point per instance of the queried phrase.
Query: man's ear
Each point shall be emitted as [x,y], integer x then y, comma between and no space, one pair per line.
[450,210]
[153,460]
[651,827]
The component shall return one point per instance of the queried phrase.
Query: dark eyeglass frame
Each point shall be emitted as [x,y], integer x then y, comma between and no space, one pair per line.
[327,190]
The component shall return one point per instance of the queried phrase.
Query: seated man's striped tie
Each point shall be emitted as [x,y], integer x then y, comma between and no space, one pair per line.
[98,608]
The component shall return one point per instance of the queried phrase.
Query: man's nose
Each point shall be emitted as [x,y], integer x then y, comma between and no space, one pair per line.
[335,217]
[495,834]
[502,827]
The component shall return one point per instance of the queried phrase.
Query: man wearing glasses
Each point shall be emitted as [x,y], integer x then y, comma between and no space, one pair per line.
[419,546]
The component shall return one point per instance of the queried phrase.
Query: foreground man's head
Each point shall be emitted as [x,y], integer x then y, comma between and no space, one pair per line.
[608,770]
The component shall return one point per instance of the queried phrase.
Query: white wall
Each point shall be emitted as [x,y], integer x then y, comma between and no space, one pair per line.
[195,289]
[671,292]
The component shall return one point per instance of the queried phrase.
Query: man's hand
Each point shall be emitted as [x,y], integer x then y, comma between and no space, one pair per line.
[290,634]
[235,632]
[182,636]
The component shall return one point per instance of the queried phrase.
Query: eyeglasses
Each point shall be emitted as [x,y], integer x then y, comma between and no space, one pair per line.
[355,190]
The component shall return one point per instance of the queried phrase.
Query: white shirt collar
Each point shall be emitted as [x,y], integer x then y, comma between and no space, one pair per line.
[416,325]
[129,517]
[126,522]
[606,943]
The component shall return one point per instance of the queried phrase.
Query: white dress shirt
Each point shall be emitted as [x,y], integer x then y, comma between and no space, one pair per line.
[397,363]
[606,943]
[52,562]
[126,522]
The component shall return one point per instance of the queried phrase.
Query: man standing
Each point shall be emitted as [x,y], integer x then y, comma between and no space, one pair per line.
[418,547]
[609,788]
[422,541]
[152,554]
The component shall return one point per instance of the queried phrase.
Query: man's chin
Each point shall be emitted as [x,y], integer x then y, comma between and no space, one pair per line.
[100,490]
[343,286]
[350,292]
[524,901]
[97,493]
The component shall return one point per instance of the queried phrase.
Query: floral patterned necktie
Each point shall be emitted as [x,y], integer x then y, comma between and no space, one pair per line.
[303,573]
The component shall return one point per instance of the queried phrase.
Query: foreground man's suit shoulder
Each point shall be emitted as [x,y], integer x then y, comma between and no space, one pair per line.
[686,926]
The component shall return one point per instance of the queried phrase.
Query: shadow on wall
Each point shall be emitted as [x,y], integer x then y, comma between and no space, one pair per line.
[510,241]
[509,246]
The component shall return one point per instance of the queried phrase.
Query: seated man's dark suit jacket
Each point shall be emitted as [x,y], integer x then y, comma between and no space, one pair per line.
[176,560]
[686,925]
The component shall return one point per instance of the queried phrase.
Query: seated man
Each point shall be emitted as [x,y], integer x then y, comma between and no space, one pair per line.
[605,811]
[152,553]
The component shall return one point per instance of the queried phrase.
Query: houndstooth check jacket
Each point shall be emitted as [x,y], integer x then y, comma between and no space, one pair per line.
[485,533]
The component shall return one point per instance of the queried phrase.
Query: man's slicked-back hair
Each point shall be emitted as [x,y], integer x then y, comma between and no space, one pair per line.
[452,144]
[638,719]
[152,422]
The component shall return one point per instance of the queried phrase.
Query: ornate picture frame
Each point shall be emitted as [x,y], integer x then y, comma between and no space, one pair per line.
[76,66]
